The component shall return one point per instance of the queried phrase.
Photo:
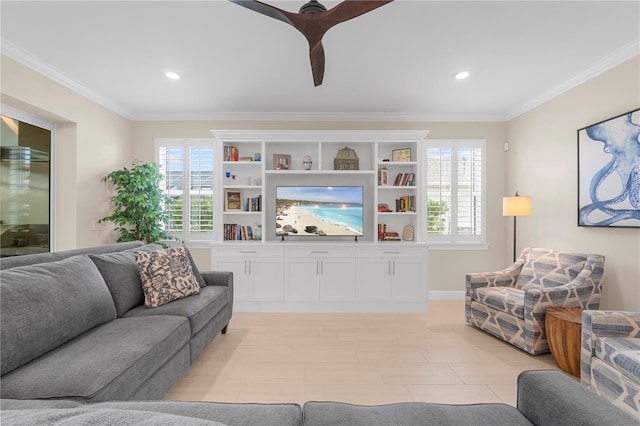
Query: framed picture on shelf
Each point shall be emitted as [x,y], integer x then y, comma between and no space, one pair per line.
[401,155]
[383,176]
[232,200]
[281,161]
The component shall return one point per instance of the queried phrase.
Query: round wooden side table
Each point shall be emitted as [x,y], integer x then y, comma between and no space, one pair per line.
[563,327]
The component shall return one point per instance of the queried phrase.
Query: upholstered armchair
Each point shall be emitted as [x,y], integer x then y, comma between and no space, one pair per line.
[511,304]
[610,357]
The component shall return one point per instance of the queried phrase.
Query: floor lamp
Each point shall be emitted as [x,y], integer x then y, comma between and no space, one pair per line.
[516,206]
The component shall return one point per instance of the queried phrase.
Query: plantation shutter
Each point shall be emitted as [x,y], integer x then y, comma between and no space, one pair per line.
[469,190]
[201,189]
[439,191]
[171,160]
[189,179]
[454,175]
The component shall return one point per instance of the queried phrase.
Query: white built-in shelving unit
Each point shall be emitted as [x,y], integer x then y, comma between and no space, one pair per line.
[303,273]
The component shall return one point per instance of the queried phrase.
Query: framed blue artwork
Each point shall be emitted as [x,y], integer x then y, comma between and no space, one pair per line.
[609,172]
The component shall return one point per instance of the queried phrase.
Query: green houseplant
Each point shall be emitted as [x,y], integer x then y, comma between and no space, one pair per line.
[138,202]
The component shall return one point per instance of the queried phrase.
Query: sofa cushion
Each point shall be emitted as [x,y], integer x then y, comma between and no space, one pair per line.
[623,353]
[121,274]
[45,305]
[553,398]
[29,404]
[199,309]
[410,413]
[195,269]
[166,276]
[108,362]
[505,299]
[88,416]
[284,414]
[32,259]
[549,268]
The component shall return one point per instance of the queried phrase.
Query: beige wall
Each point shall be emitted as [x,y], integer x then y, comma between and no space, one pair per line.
[542,163]
[90,142]
[446,268]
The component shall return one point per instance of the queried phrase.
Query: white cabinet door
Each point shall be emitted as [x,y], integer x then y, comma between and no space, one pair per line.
[373,281]
[392,274]
[409,280]
[337,279]
[267,279]
[302,278]
[240,277]
[257,271]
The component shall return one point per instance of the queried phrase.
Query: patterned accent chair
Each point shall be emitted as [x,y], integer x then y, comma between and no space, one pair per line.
[610,357]
[510,304]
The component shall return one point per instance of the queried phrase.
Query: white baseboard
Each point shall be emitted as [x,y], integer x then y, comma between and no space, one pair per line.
[446,295]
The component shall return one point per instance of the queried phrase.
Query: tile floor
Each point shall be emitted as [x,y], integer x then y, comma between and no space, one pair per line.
[357,358]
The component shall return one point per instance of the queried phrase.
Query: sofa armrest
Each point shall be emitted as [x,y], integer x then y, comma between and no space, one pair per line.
[552,398]
[612,323]
[504,278]
[604,324]
[223,278]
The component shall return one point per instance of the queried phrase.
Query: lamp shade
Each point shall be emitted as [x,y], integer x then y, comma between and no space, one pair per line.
[516,206]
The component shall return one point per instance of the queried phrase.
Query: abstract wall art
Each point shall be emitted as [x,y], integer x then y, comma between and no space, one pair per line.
[609,172]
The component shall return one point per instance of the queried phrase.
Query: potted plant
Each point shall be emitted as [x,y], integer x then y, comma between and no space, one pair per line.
[139,213]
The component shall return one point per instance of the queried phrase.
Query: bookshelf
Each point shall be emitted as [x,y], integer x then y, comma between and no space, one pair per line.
[384,271]
[251,167]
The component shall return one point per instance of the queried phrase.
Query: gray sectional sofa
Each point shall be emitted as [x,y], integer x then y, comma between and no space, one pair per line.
[78,347]
[73,326]
[547,398]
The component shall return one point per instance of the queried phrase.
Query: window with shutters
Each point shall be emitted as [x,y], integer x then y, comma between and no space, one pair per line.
[189,179]
[454,182]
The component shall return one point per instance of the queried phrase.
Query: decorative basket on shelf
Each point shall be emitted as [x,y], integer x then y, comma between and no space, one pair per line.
[346,159]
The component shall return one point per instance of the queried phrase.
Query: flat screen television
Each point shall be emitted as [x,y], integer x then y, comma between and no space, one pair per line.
[319,211]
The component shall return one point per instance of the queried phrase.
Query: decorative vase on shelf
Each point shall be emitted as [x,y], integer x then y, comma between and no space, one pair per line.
[307,162]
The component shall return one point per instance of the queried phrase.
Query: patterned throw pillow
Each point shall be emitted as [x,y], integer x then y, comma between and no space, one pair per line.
[166,276]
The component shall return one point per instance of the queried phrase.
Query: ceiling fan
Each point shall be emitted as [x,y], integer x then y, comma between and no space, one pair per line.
[313,21]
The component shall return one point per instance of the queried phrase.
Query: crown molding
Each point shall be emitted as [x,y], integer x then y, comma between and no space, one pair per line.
[619,56]
[315,135]
[14,52]
[320,116]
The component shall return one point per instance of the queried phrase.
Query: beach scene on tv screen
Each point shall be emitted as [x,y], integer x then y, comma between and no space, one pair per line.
[319,210]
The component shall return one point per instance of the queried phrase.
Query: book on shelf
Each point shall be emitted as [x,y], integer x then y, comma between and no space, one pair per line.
[405,179]
[382,228]
[391,236]
[406,203]
[253,204]
[235,232]
[230,153]
[384,235]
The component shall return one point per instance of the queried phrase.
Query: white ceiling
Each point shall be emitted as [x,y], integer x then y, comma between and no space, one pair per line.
[396,62]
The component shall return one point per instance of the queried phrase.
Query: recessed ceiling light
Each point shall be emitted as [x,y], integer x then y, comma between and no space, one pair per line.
[173,75]
[462,75]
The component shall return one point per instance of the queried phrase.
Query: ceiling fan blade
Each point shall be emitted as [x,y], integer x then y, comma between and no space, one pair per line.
[316,54]
[267,9]
[349,9]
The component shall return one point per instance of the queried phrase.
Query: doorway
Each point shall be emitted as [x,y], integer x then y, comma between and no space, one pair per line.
[25,188]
